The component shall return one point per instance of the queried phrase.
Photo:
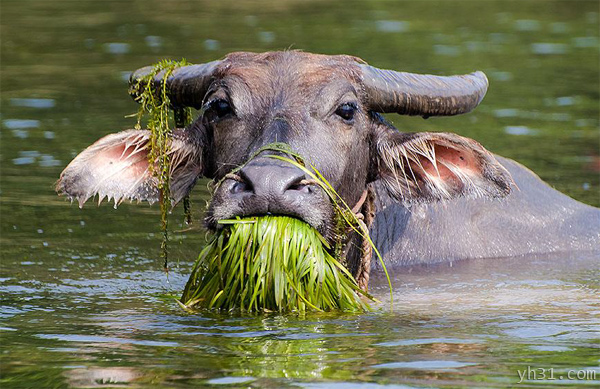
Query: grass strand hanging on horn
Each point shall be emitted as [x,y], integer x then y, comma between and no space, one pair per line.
[156,106]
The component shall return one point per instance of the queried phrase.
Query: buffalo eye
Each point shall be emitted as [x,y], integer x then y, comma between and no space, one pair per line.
[220,107]
[346,111]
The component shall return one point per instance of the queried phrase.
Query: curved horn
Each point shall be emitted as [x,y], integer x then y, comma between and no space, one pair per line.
[422,94]
[186,86]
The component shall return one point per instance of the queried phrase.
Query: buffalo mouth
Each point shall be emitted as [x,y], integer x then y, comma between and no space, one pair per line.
[274,263]
[265,187]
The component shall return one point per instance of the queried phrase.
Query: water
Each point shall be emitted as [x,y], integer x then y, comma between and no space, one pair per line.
[86,304]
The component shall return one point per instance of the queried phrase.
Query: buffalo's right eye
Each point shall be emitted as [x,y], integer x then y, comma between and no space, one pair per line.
[346,111]
[220,107]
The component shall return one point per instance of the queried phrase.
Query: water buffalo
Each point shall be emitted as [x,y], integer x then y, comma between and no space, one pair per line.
[429,197]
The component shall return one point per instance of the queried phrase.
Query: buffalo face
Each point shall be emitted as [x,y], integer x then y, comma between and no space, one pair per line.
[326,108]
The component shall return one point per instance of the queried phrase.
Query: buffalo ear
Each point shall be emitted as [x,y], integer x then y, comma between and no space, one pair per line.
[117,167]
[421,167]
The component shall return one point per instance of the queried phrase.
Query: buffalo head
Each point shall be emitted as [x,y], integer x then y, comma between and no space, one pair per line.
[326,108]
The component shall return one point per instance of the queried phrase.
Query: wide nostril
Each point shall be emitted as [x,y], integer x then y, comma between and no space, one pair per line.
[240,186]
[301,186]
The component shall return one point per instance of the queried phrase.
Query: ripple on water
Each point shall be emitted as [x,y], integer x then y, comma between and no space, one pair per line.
[124,75]
[154,42]
[48,161]
[349,385]
[551,348]
[560,28]
[506,113]
[501,76]
[549,48]
[230,380]
[585,41]
[527,25]
[520,130]
[266,37]
[391,26]
[117,48]
[424,365]
[21,134]
[20,124]
[212,44]
[537,329]
[105,339]
[33,103]
[450,51]
[28,157]
[23,160]
[417,342]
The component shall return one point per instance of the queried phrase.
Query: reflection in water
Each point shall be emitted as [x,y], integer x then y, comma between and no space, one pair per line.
[84,302]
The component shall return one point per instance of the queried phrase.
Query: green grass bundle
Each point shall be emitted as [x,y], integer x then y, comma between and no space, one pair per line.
[272,263]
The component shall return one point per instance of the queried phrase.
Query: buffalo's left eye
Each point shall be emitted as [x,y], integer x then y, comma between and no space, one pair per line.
[221,107]
[346,111]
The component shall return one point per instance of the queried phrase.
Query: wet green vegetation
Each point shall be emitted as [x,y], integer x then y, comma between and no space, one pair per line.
[85,301]
[270,264]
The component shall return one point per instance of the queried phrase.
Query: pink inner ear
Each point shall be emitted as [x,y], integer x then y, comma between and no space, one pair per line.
[447,156]
[129,160]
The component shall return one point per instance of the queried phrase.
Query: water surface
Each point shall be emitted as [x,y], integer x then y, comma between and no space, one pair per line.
[85,302]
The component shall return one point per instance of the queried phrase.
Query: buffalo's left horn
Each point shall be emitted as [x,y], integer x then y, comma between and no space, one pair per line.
[186,86]
[422,94]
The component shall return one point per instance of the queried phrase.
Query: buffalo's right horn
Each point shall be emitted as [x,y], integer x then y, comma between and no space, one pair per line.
[186,86]
[422,94]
